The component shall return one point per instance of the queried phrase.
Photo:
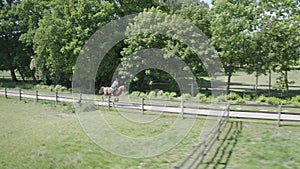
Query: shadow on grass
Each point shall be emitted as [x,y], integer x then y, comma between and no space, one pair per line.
[220,157]
[8,83]
[290,125]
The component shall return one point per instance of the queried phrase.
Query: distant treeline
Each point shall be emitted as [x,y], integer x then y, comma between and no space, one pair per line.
[43,38]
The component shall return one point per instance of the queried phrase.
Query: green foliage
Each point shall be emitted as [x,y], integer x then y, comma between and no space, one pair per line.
[202,97]
[143,95]
[296,101]
[147,22]
[160,94]
[233,96]
[262,99]
[240,100]
[186,96]
[13,54]
[170,95]
[221,98]
[248,97]
[274,101]
[135,93]
[152,94]
[230,19]
[282,84]
[60,88]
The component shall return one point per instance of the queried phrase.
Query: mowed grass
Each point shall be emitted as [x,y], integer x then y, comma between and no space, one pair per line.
[241,77]
[263,145]
[256,144]
[45,135]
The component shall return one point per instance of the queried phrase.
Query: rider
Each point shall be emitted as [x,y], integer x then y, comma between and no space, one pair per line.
[114,86]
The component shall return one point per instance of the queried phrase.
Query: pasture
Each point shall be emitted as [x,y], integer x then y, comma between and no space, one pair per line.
[48,135]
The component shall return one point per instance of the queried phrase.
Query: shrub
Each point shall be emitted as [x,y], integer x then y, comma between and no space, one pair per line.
[273,101]
[296,101]
[160,94]
[247,97]
[240,100]
[262,99]
[186,96]
[233,96]
[57,88]
[201,97]
[170,95]
[221,98]
[142,94]
[284,102]
[135,93]
[51,87]
[63,89]
[152,94]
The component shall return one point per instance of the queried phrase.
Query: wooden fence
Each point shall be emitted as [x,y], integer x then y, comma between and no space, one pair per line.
[199,152]
[184,107]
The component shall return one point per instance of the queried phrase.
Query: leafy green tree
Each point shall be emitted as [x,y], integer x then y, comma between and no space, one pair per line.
[13,53]
[197,14]
[63,31]
[230,22]
[279,29]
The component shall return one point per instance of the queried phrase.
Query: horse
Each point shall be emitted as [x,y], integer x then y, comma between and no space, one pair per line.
[107,91]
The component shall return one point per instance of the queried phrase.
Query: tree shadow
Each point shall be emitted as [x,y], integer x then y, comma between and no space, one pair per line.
[220,156]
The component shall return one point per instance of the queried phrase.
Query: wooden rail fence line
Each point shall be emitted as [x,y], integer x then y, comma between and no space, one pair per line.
[182,107]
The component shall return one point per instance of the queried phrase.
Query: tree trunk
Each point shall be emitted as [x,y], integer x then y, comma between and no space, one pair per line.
[22,76]
[228,82]
[286,81]
[13,74]
[32,76]
[270,83]
[256,82]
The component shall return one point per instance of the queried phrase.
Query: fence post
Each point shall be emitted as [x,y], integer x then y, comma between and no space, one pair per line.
[182,107]
[219,131]
[37,95]
[5,92]
[279,115]
[143,99]
[192,88]
[56,96]
[20,94]
[108,102]
[80,98]
[228,109]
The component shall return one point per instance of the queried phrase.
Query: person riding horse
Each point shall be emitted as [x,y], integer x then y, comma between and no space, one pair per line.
[114,86]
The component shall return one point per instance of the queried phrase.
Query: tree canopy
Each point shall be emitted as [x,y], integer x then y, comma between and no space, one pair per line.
[43,39]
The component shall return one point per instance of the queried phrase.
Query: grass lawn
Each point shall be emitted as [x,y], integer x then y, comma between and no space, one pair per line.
[45,135]
[263,145]
[244,78]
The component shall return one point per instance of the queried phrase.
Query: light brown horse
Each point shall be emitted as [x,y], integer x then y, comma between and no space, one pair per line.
[107,91]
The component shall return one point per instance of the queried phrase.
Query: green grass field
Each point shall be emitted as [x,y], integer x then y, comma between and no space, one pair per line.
[42,135]
[45,135]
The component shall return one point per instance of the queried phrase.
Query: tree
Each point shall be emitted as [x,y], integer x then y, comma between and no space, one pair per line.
[197,14]
[279,27]
[12,51]
[230,20]
[62,32]
[29,12]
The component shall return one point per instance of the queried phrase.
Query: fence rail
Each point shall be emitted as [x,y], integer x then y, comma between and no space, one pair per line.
[184,107]
[199,152]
